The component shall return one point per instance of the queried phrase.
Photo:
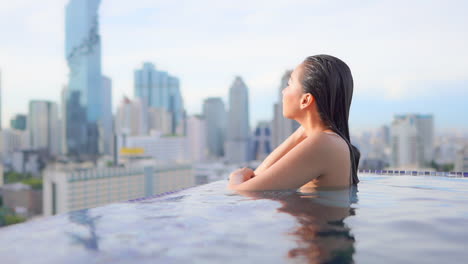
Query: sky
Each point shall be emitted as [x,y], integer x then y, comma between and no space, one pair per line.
[405,56]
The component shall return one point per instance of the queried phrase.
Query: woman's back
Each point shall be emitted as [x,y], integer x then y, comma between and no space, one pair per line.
[336,171]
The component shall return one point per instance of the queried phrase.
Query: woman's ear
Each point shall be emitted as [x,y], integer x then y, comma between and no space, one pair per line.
[306,100]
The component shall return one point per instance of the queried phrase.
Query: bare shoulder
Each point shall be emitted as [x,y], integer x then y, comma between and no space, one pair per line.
[325,150]
[324,142]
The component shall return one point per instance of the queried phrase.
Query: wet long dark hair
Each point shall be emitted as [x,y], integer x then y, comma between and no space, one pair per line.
[329,80]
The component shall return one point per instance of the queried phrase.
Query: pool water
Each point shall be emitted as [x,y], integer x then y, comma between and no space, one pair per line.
[386,219]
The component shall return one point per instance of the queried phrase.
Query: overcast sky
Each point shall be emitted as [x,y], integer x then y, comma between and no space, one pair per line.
[405,56]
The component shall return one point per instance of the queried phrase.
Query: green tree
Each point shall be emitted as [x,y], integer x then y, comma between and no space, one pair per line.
[13,219]
[12,177]
[35,183]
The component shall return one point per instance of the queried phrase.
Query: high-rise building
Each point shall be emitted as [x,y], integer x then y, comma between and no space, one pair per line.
[412,141]
[461,159]
[83,96]
[155,145]
[18,122]
[43,126]
[73,187]
[384,135]
[159,119]
[63,128]
[215,115]
[106,120]
[12,140]
[238,129]
[196,138]
[282,127]
[261,141]
[131,118]
[158,89]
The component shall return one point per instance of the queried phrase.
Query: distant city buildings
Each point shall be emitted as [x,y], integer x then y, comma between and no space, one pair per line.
[282,127]
[196,138]
[461,160]
[12,140]
[77,186]
[159,119]
[158,89]
[22,199]
[215,115]
[28,161]
[412,141]
[261,146]
[44,133]
[18,122]
[106,122]
[157,146]
[131,118]
[84,115]
[238,129]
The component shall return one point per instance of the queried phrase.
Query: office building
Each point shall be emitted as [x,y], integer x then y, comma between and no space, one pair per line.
[238,128]
[158,89]
[412,141]
[215,116]
[83,111]
[44,133]
[74,187]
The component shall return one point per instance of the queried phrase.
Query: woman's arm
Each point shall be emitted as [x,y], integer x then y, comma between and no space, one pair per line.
[293,170]
[294,139]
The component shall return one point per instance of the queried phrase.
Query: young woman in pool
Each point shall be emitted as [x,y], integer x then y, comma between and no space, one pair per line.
[319,153]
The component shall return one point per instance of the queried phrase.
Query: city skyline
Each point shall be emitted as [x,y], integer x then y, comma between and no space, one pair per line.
[390,68]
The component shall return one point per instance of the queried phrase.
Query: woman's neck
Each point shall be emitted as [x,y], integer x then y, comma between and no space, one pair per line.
[313,124]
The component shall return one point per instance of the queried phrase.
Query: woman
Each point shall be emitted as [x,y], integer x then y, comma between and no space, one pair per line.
[319,153]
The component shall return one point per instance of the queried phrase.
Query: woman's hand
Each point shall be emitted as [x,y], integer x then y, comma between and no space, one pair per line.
[241,175]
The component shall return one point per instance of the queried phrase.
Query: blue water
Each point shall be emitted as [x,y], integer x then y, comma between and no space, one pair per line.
[387,219]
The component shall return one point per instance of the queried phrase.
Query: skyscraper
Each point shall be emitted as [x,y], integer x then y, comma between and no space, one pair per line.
[158,89]
[18,122]
[196,138]
[43,126]
[261,141]
[131,118]
[83,97]
[215,116]
[106,120]
[159,119]
[412,139]
[238,130]
[281,126]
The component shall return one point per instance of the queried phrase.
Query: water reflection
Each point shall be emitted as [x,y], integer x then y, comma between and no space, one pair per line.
[83,218]
[322,236]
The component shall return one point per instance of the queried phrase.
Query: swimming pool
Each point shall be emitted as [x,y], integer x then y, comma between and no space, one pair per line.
[386,219]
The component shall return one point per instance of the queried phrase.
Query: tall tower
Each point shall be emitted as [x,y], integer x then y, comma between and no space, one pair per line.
[83,96]
[281,126]
[238,130]
[106,120]
[43,126]
[215,116]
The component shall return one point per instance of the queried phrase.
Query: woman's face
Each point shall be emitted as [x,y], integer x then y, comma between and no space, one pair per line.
[292,94]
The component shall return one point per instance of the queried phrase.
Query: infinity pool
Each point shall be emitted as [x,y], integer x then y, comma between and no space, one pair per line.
[386,219]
